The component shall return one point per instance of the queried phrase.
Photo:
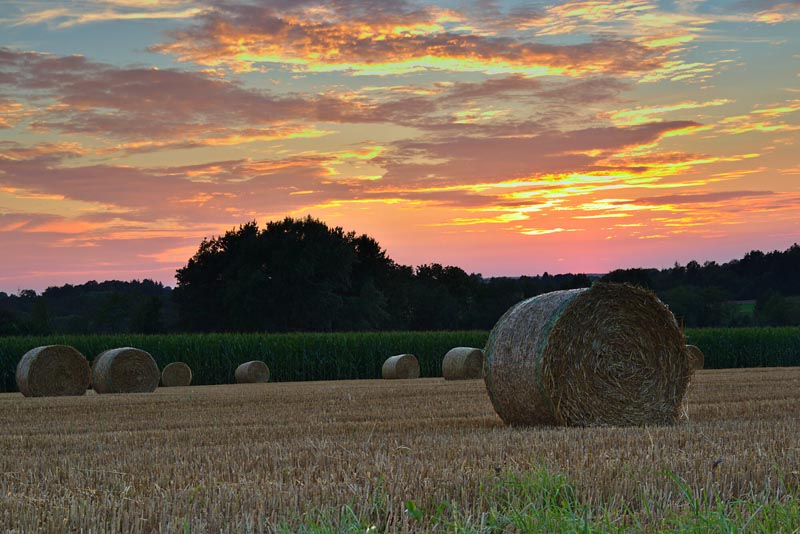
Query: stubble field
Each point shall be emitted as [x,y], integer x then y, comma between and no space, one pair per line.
[395,456]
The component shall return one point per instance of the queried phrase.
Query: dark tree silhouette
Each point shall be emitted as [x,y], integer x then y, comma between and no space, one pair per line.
[295,274]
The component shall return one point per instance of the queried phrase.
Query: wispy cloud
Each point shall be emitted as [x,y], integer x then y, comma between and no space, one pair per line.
[93,11]
[642,114]
[695,198]
[771,11]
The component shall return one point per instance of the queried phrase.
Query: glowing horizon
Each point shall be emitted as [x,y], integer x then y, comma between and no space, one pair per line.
[506,138]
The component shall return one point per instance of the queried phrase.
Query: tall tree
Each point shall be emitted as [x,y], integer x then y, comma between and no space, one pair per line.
[295,274]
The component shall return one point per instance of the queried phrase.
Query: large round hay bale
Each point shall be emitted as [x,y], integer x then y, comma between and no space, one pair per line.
[125,370]
[52,370]
[176,374]
[401,366]
[252,372]
[696,357]
[611,354]
[462,363]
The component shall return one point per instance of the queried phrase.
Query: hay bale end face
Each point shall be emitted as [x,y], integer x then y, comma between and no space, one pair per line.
[696,357]
[400,366]
[52,370]
[611,354]
[176,374]
[462,363]
[252,372]
[125,370]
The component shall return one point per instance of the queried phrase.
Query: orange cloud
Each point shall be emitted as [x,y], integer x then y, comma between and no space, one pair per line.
[65,226]
[777,13]
[357,40]
[12,113]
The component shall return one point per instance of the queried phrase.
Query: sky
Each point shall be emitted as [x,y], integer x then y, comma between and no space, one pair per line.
[507,138]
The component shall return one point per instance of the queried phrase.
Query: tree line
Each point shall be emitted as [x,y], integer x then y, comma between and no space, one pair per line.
[302,275]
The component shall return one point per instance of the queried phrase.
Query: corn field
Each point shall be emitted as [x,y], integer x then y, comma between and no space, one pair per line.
[213,358]
[348,356]
[727,348]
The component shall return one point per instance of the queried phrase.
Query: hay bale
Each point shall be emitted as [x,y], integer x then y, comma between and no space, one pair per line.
[401,366]
[52,370]
[125,370]
[176,374]
[252,372]
[696,357]
[611,354]
[462,363]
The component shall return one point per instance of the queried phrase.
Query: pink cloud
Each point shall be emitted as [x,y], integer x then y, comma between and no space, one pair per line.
[148,110]
[189,109]
[697,198]
[480,159]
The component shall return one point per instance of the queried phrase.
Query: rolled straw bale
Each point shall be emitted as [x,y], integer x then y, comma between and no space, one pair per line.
[52,370]
[176,374]
[252,372]
[462,363]
[401,366]
[125,370]
[611,354]
[696,357]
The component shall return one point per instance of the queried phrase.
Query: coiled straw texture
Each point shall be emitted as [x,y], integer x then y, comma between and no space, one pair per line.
[252,372]
[462,363]
[400,366]
[52,370]
[125,370]
[611,354]
[176,374]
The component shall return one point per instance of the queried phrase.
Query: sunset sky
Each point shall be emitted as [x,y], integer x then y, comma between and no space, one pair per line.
[506,138]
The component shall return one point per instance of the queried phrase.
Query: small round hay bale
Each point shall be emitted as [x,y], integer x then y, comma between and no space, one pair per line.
[176,374]
[696,357]
[401,366]
[462,363]
[125,370]
[611,354]
[52,370]
[252,372]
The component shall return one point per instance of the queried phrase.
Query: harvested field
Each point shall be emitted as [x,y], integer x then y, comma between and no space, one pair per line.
[400,455]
